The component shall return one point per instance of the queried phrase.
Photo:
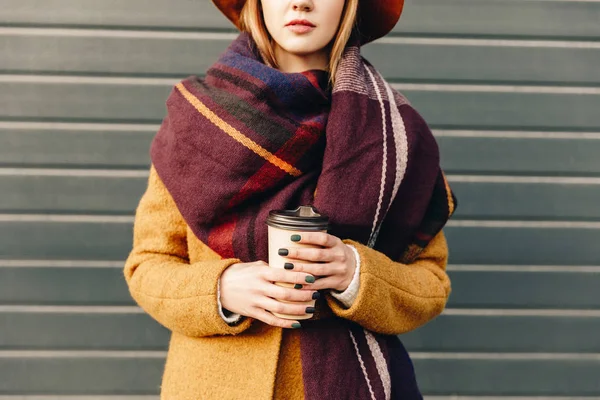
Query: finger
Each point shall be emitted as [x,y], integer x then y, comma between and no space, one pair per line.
[310,253]
[319,238]
[272,320]
[316,269]
[282,275]
[281,293]
[278,307]
[330,282]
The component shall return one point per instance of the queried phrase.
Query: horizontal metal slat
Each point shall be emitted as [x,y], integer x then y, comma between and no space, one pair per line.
[80,51]
[527,289]
[498,375]
[527,153]
[451,374]
[492,197]
[114,192]
[522,244]
[74,373]
[68,144]
[568,287]
[96,239]
[497,333]
[467,17]
[76,284]
[118,191]
[107,238]
[82,329]
[127,146]
[119,100]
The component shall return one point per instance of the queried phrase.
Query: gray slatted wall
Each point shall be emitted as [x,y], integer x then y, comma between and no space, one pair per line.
[510,87]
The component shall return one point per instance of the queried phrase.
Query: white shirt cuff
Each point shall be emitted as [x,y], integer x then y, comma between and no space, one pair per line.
[233,318]
[348,296]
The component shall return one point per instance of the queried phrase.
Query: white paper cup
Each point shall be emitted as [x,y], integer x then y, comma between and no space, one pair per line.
[282,224]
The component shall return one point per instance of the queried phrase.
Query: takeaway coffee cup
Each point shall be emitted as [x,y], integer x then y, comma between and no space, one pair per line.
[282,224]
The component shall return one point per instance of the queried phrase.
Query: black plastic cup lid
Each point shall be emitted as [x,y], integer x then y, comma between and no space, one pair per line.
[305,218]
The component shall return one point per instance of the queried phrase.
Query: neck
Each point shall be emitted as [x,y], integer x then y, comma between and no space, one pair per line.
[291,63]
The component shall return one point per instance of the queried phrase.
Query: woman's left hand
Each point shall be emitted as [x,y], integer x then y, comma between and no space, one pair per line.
[334,264]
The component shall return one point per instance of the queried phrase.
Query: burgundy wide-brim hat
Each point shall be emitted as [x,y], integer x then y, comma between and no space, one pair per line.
[376,18]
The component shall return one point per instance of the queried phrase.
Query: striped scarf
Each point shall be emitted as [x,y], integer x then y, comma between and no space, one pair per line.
[248,138]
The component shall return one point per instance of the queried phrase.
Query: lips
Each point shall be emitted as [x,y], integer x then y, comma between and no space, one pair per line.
[302,22]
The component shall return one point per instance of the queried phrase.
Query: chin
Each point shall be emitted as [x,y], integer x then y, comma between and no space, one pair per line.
[302,52]
[304,48]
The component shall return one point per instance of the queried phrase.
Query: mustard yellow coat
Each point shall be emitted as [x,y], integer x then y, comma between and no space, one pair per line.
[173,276]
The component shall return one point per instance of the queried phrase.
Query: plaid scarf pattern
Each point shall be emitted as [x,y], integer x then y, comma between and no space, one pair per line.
[248,138]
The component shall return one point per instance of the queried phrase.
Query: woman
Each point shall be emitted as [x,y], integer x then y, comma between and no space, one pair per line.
[291,115]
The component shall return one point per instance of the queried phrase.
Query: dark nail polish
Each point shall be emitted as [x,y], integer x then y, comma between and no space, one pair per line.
[310,310]
[296,325]
[297,286]
[283,252]
[295,238]
[288,266]
[310,279]
[316,295]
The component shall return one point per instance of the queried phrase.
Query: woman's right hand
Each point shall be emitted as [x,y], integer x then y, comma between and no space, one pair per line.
[249,289]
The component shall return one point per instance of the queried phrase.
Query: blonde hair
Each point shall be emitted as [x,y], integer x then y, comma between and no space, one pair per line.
[253,22]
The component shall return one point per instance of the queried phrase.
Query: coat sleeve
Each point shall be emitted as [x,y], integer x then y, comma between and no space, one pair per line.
[180,295]
[395,298]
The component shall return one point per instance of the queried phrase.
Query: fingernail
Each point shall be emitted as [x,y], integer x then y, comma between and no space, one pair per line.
[316,295]
[310,279]
[295,238]
[283,252]
[296,325]
[297,286]
[288,266]
[310,310]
